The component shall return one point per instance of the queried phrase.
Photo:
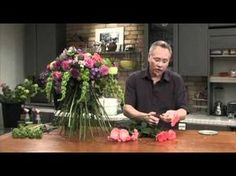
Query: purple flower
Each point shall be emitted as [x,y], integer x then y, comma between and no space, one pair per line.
[74,73]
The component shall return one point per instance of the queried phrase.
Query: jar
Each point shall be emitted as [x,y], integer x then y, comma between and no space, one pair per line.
[112,46]
[233,73]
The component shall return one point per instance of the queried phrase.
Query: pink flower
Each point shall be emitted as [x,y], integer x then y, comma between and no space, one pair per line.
[135,135]
[97,57]
[56,75]
[115,134]
[175,120]
[104,70]
[3,85]
[66,64]
[162,136]
[166,135]
[171,135]
[122,135]
[89,62]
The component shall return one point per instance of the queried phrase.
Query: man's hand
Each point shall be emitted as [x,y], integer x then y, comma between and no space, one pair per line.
[151,118]
[168,115]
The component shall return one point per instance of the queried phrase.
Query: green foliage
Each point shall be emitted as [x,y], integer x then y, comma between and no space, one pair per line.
[28,132]
[21,93]
[145,130]
[65,79]
[112,89]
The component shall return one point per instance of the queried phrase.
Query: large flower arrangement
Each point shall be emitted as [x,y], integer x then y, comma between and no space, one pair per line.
[80,78]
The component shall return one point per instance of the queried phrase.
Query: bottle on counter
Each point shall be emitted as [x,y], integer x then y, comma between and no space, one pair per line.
[27,116]
[38,119]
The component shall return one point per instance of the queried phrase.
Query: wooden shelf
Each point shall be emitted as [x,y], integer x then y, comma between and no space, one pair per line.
[199,99]
[119,52]
[200,106]
[223,56]
[220,79]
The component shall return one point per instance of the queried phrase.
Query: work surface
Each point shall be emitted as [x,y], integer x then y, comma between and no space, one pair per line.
[186,141]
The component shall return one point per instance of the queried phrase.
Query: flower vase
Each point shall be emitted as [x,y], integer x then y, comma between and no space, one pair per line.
[112,46]
[11,114]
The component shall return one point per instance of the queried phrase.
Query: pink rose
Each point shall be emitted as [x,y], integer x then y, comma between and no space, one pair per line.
[171,135]
[97,57]
[104,70]
[66,64]
[162,136]
[89,62]
[124,135]
[175,120]
[115,134]
[56,75]
[135,135]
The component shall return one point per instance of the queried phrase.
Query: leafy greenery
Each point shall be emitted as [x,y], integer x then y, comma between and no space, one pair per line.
[29,131]
[145,130]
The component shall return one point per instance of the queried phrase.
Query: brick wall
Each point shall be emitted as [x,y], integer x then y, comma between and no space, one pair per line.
[133,34]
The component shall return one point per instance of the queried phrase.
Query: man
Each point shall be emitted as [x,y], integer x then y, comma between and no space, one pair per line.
[156,95]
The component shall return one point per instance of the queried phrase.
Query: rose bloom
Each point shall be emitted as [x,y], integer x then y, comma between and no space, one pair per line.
[124,135]
[114,134]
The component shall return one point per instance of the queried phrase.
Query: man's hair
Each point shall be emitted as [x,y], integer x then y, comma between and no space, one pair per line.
[162,44]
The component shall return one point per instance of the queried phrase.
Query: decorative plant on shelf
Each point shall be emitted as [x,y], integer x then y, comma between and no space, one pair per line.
[81,78]
[12,99]
[21,93]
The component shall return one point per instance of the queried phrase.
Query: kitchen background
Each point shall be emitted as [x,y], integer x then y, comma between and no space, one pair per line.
[25,49]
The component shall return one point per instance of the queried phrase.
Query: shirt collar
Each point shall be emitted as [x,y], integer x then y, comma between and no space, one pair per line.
[165,77]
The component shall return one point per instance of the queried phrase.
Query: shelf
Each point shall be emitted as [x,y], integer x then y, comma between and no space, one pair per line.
[199,99]
[200,106]
[223,56]
[119,52]
[220,79]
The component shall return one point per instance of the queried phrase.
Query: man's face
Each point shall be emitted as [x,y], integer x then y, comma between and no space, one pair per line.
[159,60]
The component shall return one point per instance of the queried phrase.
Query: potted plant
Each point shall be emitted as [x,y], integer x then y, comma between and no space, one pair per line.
[12,100]
[113,95]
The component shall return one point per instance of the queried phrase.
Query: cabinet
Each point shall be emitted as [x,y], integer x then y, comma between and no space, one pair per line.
[43,42]
[192,49]
[222,59]
[189,43]
[162,31]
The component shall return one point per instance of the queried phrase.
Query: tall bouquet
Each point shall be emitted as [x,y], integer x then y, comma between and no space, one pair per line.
[80,78]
